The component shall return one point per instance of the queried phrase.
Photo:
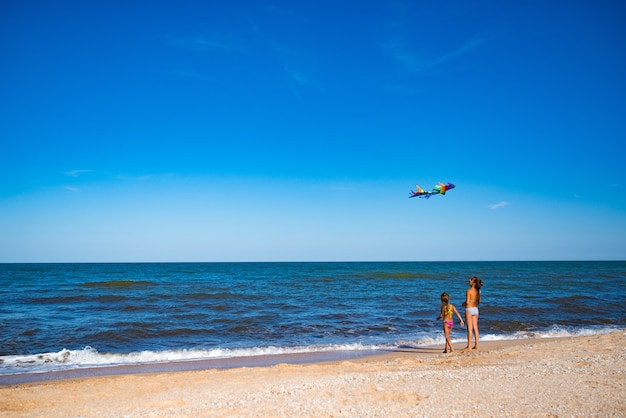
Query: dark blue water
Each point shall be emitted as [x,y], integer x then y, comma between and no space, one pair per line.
[72,315]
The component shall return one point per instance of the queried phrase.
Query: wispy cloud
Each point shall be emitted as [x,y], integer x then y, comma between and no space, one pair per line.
[414,62]
[467,47]
[498,205]
[76,173]
[413,52]
[72,189]
[399,52]
[145,177]
[299,77]
[341,187]
[295,60]
[202,44]
[190,75]
[279,11]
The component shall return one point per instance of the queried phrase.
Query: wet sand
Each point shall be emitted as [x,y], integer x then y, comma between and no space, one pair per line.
[582,376]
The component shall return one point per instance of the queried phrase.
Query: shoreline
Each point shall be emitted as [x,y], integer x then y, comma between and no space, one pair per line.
[252,361]
[267,360]
[571,376]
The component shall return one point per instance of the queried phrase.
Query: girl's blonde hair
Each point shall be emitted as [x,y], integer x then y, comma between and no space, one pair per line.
[445,302]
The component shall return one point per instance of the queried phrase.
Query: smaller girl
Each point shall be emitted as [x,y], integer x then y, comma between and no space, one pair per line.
[447,309]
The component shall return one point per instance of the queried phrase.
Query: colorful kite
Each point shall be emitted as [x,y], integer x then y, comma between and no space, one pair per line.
[438,189]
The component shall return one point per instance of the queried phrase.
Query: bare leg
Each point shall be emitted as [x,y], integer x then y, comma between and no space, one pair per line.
[476,336]
[468,322]
[446,332]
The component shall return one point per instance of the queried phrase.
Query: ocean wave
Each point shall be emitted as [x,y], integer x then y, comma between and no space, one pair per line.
[89,357]
[119,283]
[557,331]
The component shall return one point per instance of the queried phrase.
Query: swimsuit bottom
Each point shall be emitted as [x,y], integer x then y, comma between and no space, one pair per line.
[472,311]
[448,323]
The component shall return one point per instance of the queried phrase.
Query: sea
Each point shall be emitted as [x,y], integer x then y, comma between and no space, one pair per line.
[59,318]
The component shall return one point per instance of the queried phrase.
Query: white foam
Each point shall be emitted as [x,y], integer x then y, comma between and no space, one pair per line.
[89,357]
[555,331]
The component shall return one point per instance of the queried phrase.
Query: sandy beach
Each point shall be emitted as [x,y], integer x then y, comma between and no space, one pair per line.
[582,376]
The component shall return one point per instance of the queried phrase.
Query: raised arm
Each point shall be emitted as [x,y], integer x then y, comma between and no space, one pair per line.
[457,314]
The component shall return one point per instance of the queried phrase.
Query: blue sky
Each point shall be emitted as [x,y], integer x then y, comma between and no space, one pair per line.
[293,131]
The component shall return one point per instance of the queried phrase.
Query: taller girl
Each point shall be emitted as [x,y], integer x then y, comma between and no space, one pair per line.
[472,300]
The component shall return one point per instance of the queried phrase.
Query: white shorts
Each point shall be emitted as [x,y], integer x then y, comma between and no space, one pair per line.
[472,311]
